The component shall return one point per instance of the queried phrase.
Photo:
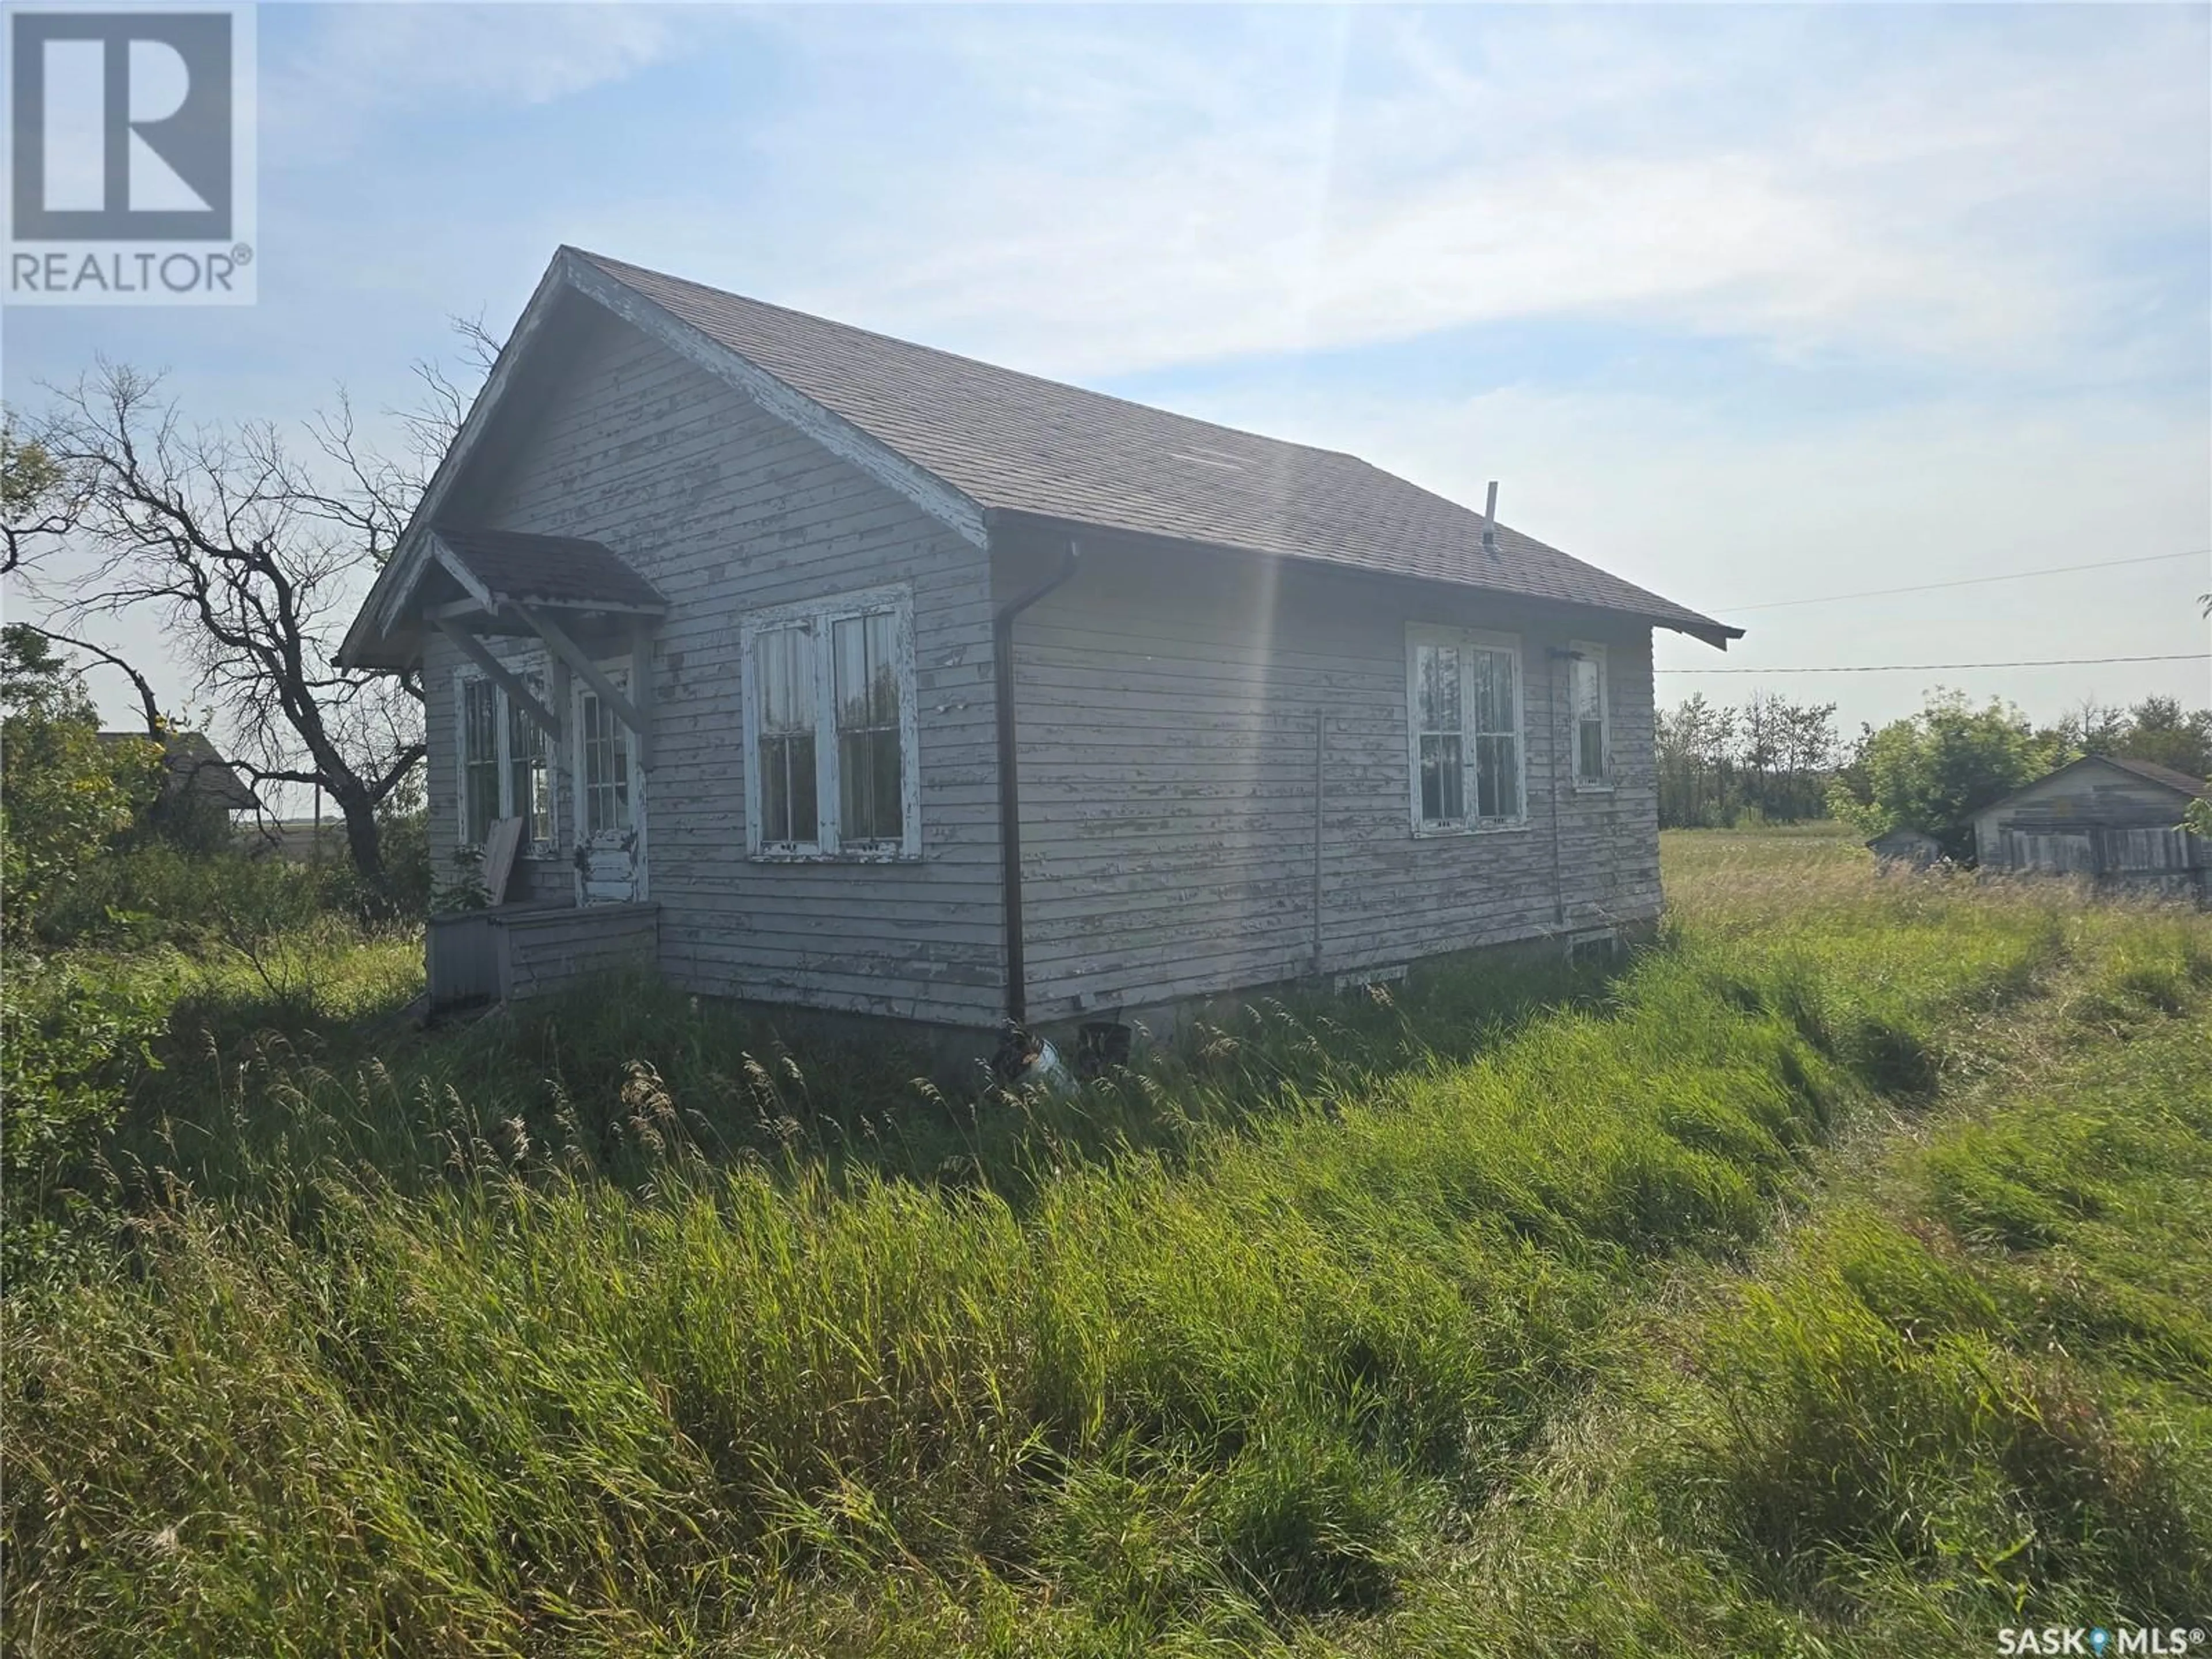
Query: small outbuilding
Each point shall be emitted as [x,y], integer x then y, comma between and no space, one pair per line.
[192,770]
[2118,822]
[1905,849]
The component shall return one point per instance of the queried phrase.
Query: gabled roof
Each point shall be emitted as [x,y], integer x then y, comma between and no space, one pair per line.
[964,440]
[190,762]
[1015,442]
[563,570]
[2152,772]
[2165,777]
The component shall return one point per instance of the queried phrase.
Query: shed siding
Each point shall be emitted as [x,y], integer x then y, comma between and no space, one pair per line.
[2101,821]
[2083,796]
[726,510]
[1168,711]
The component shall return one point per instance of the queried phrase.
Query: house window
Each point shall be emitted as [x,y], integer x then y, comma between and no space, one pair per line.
[480,780]
[830,728]
[1463,694]
[529,781]
[503,763]
[606,804]
[1592,735]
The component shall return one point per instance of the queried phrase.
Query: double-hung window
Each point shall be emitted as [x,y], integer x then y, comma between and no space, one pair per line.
[1593,734]
[1464,704]
[830,728]
[502,763]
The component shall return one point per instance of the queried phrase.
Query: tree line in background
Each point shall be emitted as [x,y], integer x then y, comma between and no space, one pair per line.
[1771,761]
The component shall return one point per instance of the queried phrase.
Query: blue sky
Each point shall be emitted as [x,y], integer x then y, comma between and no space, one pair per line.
[1747,304]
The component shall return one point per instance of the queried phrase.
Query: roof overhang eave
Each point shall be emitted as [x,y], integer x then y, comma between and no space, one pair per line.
[1716,634]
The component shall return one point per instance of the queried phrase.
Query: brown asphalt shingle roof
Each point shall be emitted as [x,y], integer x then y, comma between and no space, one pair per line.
[565,570]
[1019,443]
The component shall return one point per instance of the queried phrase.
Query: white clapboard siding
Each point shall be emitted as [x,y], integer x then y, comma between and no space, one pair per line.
[725,510]
[1168,823]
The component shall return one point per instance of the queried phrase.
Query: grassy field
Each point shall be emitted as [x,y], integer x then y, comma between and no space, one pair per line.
[1831,1278]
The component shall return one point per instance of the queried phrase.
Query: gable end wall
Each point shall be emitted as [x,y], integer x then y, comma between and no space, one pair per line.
[726,510]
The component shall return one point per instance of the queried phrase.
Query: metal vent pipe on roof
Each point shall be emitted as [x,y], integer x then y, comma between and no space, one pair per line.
[1490,522]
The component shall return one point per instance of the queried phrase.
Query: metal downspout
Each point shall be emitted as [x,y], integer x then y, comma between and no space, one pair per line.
[1010,797]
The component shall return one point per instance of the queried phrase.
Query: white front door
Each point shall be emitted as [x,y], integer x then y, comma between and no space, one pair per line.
[608,797]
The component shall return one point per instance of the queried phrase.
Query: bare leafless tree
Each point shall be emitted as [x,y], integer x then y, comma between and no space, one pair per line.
[251,550]
[141,687]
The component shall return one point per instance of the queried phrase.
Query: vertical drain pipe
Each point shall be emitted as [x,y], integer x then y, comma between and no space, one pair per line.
[1321,777]
[1562,756]
[1010,793]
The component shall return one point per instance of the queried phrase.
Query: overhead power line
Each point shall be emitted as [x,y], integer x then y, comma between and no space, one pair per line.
[1970,581]
[1929,667]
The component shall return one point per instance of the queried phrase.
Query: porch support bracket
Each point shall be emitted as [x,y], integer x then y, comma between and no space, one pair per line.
[557,641]
[502,676]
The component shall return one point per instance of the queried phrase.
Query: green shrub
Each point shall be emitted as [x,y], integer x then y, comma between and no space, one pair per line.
[70,1044]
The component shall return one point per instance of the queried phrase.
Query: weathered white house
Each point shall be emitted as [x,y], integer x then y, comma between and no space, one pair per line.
[829,669]
[2118,822]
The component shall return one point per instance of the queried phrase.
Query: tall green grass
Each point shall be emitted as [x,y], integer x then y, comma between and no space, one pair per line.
[626,1329]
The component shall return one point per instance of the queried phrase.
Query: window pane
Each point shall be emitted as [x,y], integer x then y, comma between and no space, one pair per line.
[483,800]
[1439,678]
[1493,691]
[786,789]
[528,795]
[479,757]
[1588,698]
[784,680]
[775,790]
[867,675]
[1589,750]
[1497,777]
[1443,792]
[868,753]
[868,782]
[850,639]
[883,673]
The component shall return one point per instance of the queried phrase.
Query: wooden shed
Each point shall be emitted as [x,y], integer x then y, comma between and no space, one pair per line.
[1906,848]
[2117,822]
[829,669]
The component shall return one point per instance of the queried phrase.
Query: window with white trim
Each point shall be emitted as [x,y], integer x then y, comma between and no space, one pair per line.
[830,728]
[1593,730]
[1463,706]
[503,768]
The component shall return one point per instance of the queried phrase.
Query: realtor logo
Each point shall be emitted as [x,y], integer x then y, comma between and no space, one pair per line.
[130,162]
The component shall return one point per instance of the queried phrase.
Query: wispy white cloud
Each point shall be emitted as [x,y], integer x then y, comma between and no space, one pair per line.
[1113,201]
[344,71]
[1939,211]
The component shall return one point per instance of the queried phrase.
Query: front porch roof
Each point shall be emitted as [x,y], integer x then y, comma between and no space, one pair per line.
[494,578]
